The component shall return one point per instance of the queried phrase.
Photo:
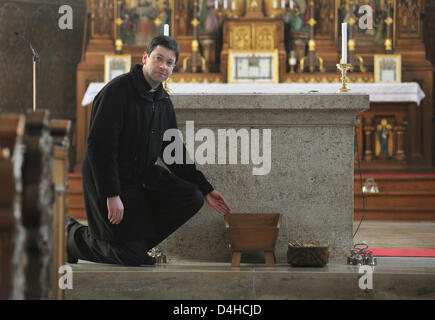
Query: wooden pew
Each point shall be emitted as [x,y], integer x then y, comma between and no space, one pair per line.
[37,211]
[32,204]
[11,154]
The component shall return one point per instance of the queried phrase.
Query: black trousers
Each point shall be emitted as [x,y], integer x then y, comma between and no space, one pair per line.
[165,212]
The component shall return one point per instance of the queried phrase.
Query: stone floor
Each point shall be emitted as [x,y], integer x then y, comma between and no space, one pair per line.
[392,278]
[396,234]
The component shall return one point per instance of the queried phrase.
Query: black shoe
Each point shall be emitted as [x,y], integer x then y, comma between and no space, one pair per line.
[69,224]
[70,259]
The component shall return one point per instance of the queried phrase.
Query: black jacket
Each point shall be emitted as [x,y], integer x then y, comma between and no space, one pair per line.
[125,139]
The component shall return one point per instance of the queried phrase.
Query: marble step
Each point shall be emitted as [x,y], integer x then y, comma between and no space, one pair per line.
[210,281]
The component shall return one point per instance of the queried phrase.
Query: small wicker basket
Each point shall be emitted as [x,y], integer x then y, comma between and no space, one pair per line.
[308,255]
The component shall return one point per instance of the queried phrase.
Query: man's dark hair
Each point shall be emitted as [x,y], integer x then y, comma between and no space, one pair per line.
[164,41]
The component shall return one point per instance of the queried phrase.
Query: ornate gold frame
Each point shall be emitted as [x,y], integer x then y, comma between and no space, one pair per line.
[397,57]
[109,57]
[275,70]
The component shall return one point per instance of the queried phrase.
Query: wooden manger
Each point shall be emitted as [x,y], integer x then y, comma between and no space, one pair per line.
[253,231]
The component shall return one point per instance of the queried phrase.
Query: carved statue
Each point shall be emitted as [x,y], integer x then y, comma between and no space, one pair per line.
[409,15]
[296,17]
[383,135]
[326,17]
[102,17]
[209,21]
[181,16]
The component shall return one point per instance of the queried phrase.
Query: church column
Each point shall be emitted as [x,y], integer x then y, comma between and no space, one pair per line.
[400,129]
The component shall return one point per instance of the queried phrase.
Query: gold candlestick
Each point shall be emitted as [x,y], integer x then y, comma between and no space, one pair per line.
[344,67]
[165,86]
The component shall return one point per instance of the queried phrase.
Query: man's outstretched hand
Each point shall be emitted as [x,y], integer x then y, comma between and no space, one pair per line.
[216,200]
[115,210]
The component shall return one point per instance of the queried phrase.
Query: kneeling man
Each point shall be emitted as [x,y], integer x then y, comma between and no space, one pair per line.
[132,204]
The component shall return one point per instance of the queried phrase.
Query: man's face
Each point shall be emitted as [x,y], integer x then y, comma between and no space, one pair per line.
[158,66]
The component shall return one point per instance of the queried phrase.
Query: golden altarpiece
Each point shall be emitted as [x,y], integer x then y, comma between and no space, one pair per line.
[302,40]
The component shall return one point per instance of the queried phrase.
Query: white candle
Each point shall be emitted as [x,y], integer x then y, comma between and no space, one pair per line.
[233,5]
[275,4]
[344,42]
[291,4]
[166,30]
[282,3]
[216,4]
[225,4]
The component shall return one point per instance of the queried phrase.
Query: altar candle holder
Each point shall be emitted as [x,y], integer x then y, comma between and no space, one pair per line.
[166,87]
[166,33]
[292,61]
[223,11]
[344,68]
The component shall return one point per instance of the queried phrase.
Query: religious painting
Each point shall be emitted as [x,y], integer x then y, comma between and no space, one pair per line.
[115,65]
[142,20]
[348,11]
[388,68]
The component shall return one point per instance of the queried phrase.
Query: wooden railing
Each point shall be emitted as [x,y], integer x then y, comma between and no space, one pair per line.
[33,204]
[60,130]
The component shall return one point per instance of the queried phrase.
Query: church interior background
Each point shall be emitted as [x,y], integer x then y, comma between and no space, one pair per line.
[304,37]
[396,144]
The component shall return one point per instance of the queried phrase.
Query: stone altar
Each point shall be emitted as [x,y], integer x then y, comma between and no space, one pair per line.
[311,169]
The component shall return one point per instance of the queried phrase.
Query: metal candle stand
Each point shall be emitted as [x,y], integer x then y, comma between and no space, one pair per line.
[361,256]
[157,254]
[344,67]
